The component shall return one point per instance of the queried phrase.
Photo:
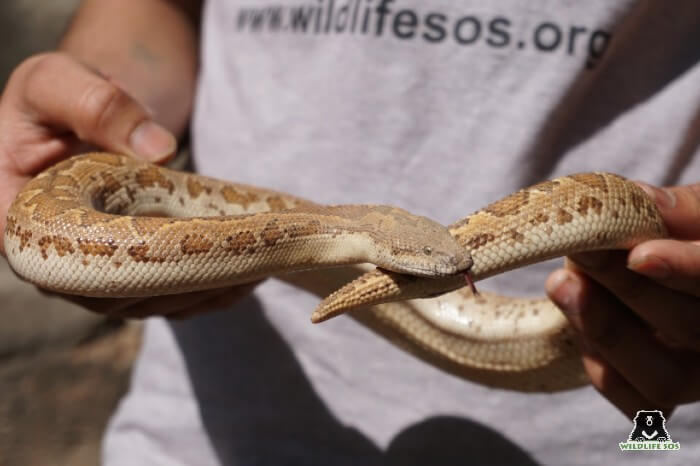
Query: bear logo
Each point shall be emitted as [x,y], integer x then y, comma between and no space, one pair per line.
[649,426]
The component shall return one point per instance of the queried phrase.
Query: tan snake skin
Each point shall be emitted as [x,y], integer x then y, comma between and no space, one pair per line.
[516,343]
[81,227]
[105,225]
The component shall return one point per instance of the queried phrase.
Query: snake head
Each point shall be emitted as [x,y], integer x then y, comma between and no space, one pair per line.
[440,256]
[419,246]
[448,260]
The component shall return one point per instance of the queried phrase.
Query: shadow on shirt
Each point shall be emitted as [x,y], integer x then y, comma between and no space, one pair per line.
[263,409]
[653,47]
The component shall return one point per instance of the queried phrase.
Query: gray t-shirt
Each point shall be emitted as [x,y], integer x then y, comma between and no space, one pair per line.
[439,107]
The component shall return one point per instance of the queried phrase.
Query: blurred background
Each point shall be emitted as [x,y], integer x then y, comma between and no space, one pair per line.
[62,369]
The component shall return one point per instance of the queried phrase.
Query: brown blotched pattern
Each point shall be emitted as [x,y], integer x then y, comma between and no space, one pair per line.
[97,247]
[153,176]
[509,206]
[233,196]
[61,244]
[195,188]
[596,181]
[107,225]
[505,342]
[564,216]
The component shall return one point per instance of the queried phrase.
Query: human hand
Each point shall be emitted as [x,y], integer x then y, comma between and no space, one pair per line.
[54,107]
[176,306]
[636,313]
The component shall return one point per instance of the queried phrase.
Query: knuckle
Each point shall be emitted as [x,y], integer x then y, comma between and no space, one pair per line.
[43,61]
[97,106]
[687,201]
[37,64]
[42,66]
[33,71]
[693,194]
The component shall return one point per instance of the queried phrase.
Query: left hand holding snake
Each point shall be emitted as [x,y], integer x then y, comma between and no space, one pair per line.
[636,313]
[49,100]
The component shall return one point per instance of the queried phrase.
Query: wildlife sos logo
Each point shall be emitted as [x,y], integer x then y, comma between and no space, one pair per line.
[649,433]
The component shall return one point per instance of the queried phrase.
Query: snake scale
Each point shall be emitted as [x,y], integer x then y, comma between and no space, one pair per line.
[105,225]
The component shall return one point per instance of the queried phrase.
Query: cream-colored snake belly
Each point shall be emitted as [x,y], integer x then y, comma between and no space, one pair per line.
[108,226]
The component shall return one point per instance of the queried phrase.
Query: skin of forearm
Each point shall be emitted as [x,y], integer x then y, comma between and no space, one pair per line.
[146,47]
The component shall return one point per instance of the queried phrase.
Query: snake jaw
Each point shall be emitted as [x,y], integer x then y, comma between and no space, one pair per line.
[415,245]
[439,267]
[449,263]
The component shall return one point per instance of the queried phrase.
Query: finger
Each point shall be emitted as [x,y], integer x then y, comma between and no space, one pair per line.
[220,302]
[139,308]
[61,93]
[106,306]
[166,305]
[623,341]
[674,264]
[187,304]
[616,389]
[679,207]
[673,313]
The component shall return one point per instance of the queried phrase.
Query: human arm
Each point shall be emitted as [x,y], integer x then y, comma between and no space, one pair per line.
[636,313]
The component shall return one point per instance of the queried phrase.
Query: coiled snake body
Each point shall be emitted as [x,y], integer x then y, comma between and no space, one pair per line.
[106,225]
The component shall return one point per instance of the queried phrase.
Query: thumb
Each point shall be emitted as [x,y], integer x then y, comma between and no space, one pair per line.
[679,207]
[61,93]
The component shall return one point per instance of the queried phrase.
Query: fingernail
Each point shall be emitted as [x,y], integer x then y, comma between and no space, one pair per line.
[564,290]
[151,141]
[663,197]
[651,266]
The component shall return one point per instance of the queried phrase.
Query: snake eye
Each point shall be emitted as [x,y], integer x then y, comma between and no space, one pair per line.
[427,250]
